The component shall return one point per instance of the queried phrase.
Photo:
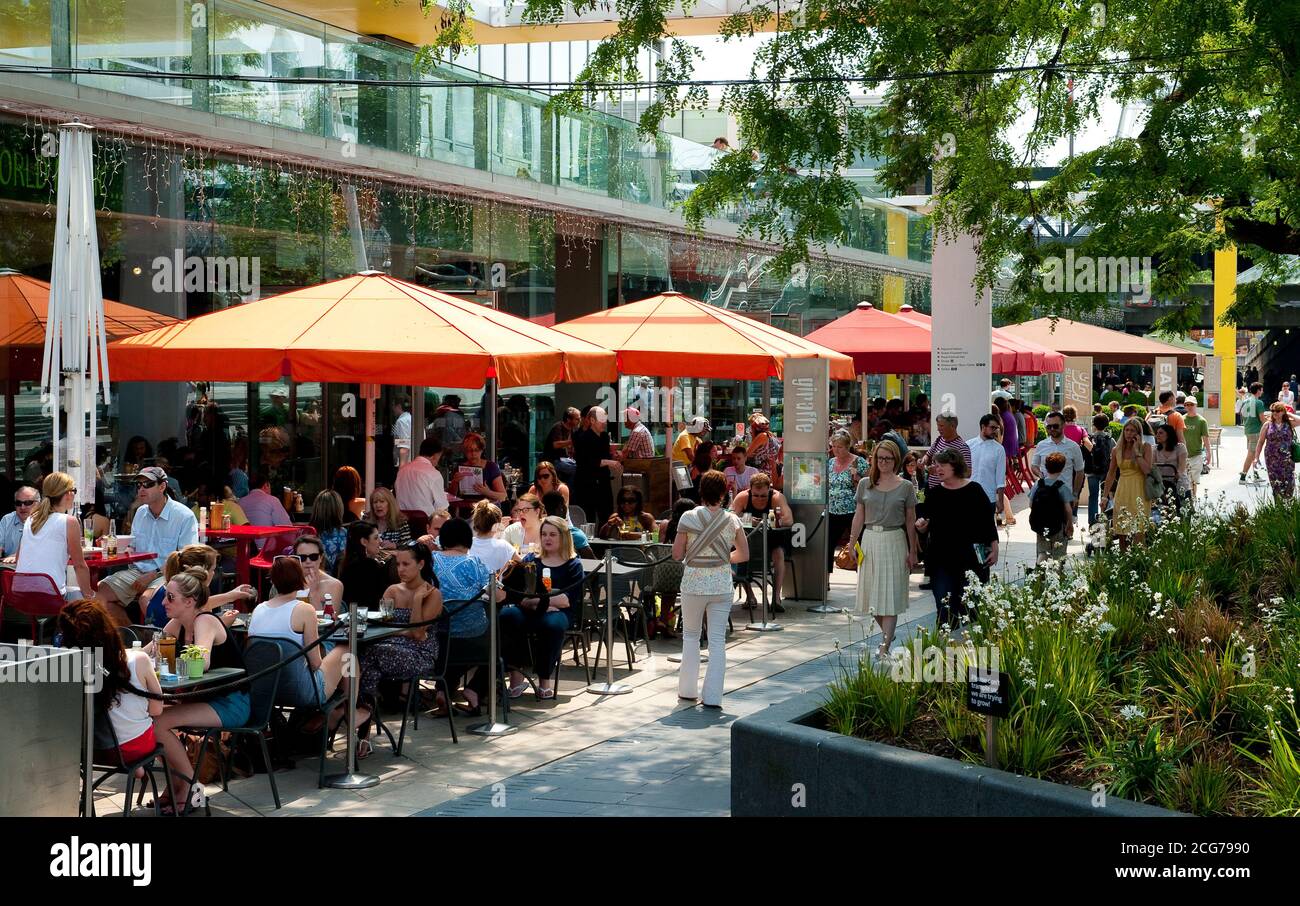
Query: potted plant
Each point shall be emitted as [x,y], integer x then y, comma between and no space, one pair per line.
[192,661]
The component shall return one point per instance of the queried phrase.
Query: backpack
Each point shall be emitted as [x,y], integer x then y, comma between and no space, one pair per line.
[1099,456]
[1045,514]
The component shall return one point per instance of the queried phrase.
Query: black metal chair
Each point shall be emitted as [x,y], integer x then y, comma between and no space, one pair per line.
[629,602]
[259,654]
[436,672]
[108,758]
[303,710]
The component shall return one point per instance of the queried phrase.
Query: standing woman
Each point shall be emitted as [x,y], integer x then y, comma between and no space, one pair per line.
[1011,428]
[1131,462]
[1170,462]
[846,471]
[884,517]
[1274,446]
[957,516]
[709,539]
[52,538]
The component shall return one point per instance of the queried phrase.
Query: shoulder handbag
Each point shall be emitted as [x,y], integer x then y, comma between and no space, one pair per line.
[1153,486]
[845,558]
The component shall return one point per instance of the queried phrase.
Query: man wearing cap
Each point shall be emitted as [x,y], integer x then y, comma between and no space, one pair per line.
[160,525]
[278,412]
[694,432]
[639,445]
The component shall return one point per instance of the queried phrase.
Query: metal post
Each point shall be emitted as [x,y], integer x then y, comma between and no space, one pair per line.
[827,606]
[352,780]
[765,625]
[492,727]
[990,741]
[88,756]
[609,687]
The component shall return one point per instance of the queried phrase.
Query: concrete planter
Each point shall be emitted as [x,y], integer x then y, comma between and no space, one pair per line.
[781,757]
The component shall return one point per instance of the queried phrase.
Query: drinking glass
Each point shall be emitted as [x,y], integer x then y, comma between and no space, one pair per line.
[386,609]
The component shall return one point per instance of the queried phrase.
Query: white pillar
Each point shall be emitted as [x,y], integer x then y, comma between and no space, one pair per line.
[961,336]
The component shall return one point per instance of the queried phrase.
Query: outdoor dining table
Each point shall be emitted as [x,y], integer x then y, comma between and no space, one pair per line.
[98,564]
[602,543]
[375,631]
[209,678]
[244,536]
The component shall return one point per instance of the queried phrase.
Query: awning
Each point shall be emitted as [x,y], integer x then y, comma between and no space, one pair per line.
[1106,346]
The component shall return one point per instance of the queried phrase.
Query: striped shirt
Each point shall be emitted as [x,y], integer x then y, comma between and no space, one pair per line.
[640,445]
[939,446]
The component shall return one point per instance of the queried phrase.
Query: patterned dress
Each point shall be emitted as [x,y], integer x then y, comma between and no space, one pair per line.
[396,657]
[1277,459]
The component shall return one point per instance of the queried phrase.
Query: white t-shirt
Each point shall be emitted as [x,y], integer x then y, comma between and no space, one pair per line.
[740,479]
[493,553]
[713,580]
[130,714]
[401,436]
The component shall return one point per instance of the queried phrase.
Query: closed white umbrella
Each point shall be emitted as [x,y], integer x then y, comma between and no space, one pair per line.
[75,360]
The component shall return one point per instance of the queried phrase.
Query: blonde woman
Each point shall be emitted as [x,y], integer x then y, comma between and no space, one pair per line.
[1131,462]
[205,558]
[52,538]
[885,520]
[394,531]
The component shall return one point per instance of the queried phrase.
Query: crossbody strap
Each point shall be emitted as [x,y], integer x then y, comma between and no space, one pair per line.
[708,549]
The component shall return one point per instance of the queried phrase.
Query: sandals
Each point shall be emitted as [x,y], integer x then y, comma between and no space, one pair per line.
[545,695]
[517,690]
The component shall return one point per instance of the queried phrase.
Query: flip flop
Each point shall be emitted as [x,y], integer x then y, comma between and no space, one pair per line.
[517,691]
[545,694]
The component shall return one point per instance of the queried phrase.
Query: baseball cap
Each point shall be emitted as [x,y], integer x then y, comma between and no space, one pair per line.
[698,425]
[280,392]
[632,414]
[153,473]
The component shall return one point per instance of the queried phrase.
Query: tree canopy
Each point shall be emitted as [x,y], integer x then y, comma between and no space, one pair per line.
[979,94]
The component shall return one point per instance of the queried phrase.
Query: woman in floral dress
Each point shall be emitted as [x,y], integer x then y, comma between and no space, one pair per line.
[416,599]
[1275,449]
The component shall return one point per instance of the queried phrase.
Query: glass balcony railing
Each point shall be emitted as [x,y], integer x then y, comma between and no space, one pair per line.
[481,124]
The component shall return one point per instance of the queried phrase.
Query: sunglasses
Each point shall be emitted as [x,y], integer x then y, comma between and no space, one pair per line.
[147,484]
[308,558]
[24,503]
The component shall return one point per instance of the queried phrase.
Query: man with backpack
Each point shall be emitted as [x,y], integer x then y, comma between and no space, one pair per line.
[1096,462]
[1051,514]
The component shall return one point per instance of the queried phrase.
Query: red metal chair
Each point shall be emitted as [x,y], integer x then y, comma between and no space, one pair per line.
[274,546]
[418,520]
[34,595]
[1014,487]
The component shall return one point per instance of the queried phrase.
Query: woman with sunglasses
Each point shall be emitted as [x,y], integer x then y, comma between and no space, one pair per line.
[205,558]
[310,552]
[524,534]
[547,479]
[627,509]
[187,620]
[884,519]
[363,574]
[394,530]
[52,538]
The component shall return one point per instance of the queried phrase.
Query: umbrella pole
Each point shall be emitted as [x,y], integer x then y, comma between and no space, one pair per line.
[11,445]
[369,392]
[862,385]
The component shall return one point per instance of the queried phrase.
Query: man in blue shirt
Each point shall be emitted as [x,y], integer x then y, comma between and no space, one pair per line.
[11,526]
[160,525]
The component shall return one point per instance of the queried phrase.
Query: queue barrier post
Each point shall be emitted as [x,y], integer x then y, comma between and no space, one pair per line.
[609,687]
[765,625]
[493,727]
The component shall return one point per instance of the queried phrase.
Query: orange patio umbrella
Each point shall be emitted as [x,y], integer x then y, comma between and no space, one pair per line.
[672,336]
[369,328]
[24,307]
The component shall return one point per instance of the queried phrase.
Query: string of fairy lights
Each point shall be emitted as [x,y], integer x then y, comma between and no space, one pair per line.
[236,201]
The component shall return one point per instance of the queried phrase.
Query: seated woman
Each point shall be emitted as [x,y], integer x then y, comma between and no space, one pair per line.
[363,574]
[628,509]
[187,594]
[541,612]
[526,529]
[310,552]
[347,484]
[284,617]
[416,599]
[86,624]
[51,539]
[491,551]
[760,500]
[462,578]
[327,524]
[394,530]
[205,558]
[487,482]
[547,479]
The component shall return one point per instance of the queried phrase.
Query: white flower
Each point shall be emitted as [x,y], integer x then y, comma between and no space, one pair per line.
[1131,712]
[1105,627]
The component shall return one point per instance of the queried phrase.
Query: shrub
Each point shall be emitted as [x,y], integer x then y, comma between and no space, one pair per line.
[1040,411]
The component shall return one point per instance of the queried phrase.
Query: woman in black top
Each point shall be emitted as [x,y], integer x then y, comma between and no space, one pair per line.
[364,576]
[956,516]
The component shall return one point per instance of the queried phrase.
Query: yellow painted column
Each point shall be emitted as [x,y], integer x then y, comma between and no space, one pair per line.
[1225,336]
[895,246]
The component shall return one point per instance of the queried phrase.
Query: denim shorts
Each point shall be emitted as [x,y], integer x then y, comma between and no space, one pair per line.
[231,708]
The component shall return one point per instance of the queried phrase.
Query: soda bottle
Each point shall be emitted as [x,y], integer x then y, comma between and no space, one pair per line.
[546,577]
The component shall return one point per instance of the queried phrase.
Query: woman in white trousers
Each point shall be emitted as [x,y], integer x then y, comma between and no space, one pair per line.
[709,539]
